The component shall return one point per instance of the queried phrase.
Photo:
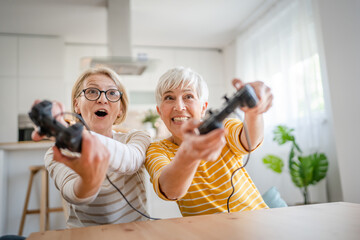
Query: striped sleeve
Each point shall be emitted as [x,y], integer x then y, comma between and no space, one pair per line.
[64,179]
[234,128]
[126,158]
[156,160]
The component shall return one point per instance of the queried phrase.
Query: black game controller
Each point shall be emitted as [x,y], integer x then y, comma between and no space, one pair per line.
[244,97]
[66,137]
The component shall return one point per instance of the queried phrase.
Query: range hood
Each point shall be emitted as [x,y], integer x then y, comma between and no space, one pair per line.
[121,65]
[119,43]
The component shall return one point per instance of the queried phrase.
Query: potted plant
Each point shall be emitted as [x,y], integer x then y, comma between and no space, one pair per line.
[149,122]
[151,117]
[304,170]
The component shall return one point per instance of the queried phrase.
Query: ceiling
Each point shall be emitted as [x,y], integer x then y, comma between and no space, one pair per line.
[181,23]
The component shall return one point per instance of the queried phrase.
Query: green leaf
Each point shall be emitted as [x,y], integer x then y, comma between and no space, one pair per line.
[274,163]
[292,154]
[282,134]
[306,169]
[301,171]
[296,146]
[295,173]
[320,164]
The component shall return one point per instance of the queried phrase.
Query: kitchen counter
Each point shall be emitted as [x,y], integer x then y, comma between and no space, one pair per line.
[26,145]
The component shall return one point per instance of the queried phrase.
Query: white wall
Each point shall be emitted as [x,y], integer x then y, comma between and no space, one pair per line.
[229,58]
[339,31]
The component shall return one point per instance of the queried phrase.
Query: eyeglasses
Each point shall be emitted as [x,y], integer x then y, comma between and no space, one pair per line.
[93,94]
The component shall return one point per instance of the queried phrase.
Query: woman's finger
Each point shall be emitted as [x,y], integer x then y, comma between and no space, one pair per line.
[205,140]
[190,127]
[59,157]
[35,135]
[237,83]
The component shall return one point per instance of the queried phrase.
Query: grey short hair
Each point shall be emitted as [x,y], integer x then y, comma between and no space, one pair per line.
[181,77]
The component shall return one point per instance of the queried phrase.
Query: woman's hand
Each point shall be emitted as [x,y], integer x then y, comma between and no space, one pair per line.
[263,93]
[253,116]
[91,166]
[205,147]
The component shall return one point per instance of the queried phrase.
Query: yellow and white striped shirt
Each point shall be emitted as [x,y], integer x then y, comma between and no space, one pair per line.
[211,186]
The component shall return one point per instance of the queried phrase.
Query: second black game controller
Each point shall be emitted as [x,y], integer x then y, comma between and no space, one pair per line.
[244,97]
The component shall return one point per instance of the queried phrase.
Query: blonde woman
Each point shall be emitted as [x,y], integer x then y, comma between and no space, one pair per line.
[101,99]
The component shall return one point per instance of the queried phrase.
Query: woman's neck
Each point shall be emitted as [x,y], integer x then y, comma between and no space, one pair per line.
[105,132]
[175,140]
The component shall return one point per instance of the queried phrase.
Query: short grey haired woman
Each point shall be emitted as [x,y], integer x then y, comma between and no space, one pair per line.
[195,170]
[107,157]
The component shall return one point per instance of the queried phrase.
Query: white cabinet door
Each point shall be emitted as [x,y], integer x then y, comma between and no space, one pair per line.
[41,70]
[32,88]
[41,57]
[8,109]
[8,55]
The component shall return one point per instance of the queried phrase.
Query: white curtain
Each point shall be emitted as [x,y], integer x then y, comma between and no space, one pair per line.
[281,50]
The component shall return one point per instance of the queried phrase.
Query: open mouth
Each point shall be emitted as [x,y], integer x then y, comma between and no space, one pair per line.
[101,113]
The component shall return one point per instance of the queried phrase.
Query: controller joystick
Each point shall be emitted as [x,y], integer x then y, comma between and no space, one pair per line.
[243,97]
[66,137]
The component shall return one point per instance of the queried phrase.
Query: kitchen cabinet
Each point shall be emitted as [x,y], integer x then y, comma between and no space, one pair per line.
[31,67]
[32,88]
[41,70]
[8,108]
[8,88]
[8,55]
[41,57]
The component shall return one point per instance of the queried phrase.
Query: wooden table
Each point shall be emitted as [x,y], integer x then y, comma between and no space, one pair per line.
[321,221]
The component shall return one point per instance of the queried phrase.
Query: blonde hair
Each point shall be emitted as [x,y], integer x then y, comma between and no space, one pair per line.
[181,77]
[78,87]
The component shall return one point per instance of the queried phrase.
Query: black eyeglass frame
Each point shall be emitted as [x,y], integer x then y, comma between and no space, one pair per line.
[100,92]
